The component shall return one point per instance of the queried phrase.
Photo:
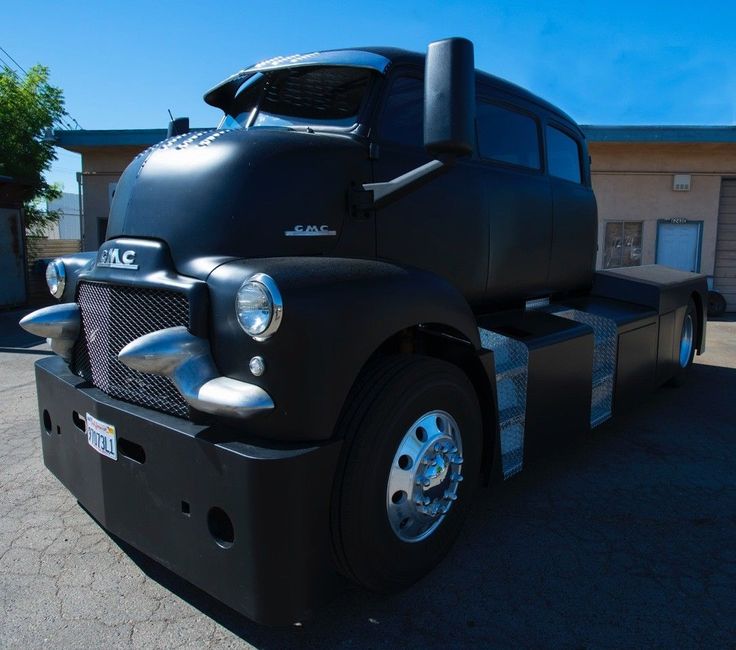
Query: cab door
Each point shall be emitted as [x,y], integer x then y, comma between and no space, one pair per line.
[518,196]
[441,226]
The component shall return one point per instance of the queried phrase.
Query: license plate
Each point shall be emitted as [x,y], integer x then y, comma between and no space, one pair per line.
[101,437]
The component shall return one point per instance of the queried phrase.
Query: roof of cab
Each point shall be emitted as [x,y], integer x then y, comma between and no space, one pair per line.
[395,55]
[408,57]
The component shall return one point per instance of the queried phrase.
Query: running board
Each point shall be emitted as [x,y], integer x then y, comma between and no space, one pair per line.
[543,368]
[562,369]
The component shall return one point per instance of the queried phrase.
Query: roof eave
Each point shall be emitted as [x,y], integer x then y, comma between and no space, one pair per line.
[642,134]
[80,141]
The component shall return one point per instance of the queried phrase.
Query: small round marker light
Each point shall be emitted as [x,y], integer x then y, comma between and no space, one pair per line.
[56,277]
[257,366]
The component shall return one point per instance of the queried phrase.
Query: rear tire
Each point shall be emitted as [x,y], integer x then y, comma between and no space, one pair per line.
[411,427]
[686,348]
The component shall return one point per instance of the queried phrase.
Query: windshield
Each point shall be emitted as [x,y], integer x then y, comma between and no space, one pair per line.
[315,96]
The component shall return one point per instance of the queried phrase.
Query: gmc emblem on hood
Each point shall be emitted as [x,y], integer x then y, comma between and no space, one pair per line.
[112,258]
[310,231]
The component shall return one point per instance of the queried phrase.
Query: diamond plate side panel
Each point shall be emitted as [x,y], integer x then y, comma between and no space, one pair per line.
[512,371]
[605,336]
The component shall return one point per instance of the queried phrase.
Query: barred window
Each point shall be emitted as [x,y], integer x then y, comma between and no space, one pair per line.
[623,244]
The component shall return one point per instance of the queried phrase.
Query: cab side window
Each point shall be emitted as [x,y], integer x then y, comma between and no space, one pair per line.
[402,121]
[507,136]
[563,155]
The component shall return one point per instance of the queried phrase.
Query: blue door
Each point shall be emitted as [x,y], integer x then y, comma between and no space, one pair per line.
[678,244]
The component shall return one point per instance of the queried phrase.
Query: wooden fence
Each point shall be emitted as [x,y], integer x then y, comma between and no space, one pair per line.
[42,249]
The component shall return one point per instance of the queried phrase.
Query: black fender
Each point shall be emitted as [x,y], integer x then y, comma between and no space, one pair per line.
[337,313]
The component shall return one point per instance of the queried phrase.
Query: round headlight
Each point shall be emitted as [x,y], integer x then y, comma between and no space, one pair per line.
[56,277]
[258,306]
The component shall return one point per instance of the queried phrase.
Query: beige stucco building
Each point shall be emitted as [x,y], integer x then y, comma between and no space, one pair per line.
[665,194]
[105,154]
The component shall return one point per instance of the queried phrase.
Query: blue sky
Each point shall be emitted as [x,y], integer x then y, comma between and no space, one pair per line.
[123,64]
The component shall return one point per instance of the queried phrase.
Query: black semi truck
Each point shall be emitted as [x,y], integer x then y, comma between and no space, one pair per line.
[314,331]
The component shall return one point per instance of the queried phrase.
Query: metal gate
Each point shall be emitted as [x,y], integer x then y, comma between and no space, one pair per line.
[12,259]
[724,278]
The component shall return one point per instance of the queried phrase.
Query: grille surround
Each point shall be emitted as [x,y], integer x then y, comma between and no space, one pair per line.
[113,316]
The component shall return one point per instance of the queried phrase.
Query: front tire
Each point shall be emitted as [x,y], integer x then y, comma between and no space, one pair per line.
[410,466]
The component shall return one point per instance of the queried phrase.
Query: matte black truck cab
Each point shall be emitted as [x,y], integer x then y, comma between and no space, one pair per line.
[313,331]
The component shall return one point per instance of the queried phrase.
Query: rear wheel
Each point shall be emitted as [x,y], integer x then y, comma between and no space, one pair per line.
[410,466]
[686,349]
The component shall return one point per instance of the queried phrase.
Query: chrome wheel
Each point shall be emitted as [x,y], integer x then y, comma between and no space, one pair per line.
[424,476]
[686,341]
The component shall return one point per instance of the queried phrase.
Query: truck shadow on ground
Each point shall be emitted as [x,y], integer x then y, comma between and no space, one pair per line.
[616,541]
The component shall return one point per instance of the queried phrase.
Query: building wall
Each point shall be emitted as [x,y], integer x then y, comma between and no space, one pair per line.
[68,226]
[100,168]
[634,182]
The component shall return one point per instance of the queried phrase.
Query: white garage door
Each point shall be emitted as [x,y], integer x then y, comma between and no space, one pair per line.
[724,279]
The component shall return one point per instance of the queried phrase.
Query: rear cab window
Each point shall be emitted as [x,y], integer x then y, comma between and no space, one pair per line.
[563,155]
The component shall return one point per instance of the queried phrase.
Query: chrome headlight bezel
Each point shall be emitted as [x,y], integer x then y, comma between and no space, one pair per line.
[56,277]
[267,285]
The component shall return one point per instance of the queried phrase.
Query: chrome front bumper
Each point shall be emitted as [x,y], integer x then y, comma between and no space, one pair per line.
[175,353]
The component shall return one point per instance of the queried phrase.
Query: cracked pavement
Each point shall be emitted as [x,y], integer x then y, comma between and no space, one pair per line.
[624,540]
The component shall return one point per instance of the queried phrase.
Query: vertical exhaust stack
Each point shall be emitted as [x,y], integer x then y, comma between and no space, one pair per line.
[178,126]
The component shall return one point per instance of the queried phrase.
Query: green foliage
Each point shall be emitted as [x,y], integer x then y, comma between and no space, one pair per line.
[29,108]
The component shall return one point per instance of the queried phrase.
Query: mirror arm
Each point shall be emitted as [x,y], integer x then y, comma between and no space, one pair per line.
[388,191]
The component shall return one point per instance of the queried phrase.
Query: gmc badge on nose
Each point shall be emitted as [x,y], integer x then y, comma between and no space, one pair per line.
[111,258]
[310,231]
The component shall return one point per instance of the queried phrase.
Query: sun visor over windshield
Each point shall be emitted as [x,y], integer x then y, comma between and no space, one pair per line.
[224,91]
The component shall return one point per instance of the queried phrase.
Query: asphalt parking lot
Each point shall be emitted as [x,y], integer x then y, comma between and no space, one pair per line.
[626,540]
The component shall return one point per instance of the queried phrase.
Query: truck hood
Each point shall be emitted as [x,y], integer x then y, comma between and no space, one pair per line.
[239,193]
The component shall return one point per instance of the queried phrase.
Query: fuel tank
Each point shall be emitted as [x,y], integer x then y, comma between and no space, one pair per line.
[251,193]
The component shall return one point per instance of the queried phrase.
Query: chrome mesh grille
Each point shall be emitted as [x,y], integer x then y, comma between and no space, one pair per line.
[112,317]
